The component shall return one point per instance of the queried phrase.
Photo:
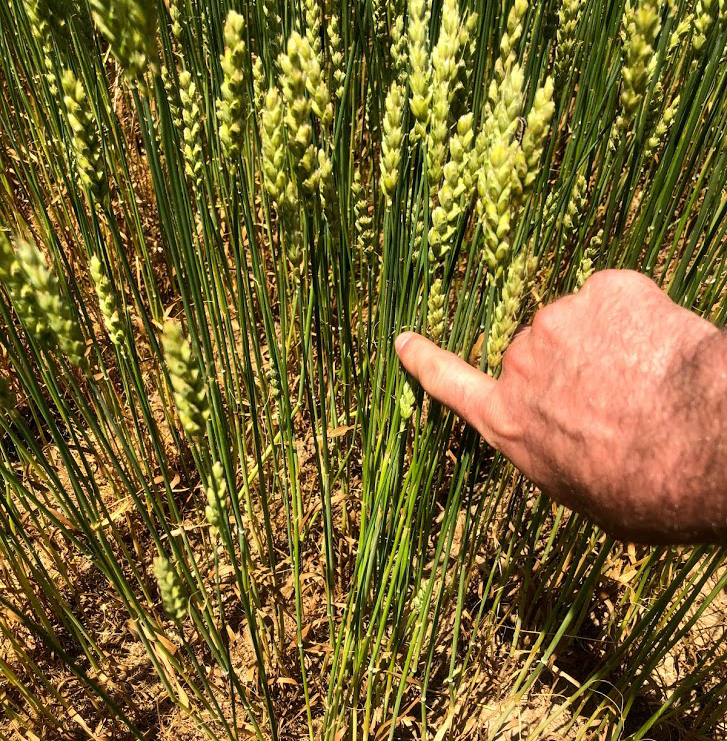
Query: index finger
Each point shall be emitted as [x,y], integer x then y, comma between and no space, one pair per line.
[468,392]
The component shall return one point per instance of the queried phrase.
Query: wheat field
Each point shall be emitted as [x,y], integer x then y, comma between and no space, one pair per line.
[226,511]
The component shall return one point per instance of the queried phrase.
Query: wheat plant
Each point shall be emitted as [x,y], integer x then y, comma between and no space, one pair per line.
[226,511]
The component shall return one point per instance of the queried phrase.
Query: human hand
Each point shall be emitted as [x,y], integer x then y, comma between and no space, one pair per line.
[613,403]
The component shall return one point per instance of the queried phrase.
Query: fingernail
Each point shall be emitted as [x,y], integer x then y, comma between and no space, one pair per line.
[401,340]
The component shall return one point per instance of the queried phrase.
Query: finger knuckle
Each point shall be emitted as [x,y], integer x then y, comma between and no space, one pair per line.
[600,278]
[614,279]
[498,427]
[548,319]
[433,369]
[515,358]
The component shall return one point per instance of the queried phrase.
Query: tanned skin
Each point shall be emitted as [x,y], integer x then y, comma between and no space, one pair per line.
[614,402]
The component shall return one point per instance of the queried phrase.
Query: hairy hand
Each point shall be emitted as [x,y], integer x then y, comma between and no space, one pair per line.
[614,403]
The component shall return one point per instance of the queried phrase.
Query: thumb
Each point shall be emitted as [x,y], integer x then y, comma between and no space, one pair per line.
[468,392]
